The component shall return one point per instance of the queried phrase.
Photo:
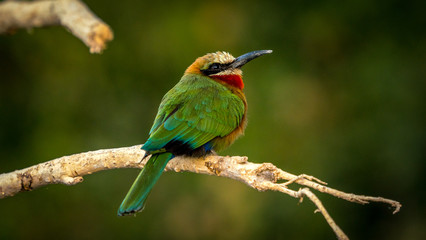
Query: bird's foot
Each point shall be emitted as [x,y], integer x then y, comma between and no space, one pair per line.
[208,153]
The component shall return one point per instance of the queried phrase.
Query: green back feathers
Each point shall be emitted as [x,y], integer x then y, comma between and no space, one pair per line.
[195,111]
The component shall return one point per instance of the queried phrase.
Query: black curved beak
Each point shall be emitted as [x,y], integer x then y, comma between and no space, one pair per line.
[243,59]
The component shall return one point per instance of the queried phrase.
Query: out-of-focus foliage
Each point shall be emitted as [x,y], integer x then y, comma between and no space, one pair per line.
[341,98]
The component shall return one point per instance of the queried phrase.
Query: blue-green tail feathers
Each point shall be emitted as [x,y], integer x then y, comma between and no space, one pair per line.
[136,197]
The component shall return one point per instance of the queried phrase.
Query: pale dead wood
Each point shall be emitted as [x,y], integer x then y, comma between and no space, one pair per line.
[320,208]
[70,170]
[72,14]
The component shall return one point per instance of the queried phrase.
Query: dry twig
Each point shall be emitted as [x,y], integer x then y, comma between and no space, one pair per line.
[72,14]
[70,170]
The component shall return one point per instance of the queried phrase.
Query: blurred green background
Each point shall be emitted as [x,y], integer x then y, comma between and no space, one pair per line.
[341,98]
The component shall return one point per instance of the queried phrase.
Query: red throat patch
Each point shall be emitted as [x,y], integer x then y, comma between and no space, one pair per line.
[232,79]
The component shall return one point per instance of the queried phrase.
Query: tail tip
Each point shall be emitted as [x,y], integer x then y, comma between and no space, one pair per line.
[128,212]
[122,213]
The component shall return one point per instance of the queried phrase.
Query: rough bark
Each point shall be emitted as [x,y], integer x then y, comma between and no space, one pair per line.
[70,170]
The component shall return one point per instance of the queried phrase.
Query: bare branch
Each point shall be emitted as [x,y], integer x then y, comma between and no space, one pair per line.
[70,170]
[72,14]
[339,233]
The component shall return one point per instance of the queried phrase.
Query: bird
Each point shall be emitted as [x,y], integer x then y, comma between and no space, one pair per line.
[205,112]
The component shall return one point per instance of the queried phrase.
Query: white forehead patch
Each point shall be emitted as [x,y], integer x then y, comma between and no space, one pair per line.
[222,57]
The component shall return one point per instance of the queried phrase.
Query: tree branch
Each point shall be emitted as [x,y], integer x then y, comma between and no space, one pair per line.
[72,14]
[70,170]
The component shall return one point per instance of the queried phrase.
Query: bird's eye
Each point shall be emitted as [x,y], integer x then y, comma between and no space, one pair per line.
[214,66]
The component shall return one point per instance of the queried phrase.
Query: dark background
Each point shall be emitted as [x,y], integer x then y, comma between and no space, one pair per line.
[341,98]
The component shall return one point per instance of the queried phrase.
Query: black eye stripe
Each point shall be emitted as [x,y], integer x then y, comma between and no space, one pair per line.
[215,68]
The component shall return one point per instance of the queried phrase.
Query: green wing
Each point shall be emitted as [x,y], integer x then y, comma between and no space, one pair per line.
[194,112]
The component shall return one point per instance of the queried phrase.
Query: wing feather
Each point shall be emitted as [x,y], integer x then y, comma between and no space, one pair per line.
[195,116]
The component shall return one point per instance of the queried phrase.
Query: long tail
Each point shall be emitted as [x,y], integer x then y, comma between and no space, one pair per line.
[136,197]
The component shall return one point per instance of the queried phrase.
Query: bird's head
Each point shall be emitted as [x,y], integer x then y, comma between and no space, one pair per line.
[223,67]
